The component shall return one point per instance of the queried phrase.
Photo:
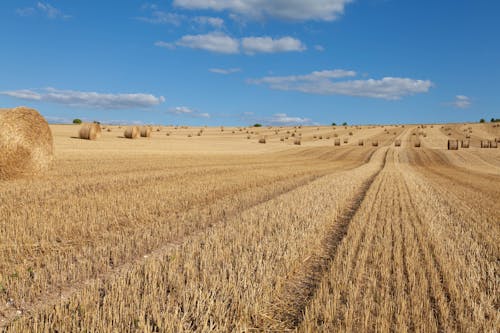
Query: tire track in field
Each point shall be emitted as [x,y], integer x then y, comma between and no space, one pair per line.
[300,289]
[12,311]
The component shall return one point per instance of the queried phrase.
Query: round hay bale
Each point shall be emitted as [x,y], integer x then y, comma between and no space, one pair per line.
[485,144]
[26,143]
[452,144]
[262,140]
[146,132]
[465,143]
[375,143]
[417,144]
[109,129]
[361,143]
[89,131]
[131,132]
[493,144]
[397,143]
[337,142]
[346,140]
[297,142]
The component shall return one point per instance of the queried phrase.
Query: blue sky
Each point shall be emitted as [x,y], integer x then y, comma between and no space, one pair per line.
[280,62]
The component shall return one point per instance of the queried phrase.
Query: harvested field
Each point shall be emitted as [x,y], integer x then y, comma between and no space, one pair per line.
[216,232]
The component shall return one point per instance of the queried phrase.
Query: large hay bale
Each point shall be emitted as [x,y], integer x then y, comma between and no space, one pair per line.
[89,131]
[493,144]
[465,144]
[131,132]
[337,142]
[146,132]
[397,143]
[485,144]
[452,144]
[26,143]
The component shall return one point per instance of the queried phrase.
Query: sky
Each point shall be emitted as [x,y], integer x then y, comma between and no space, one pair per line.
[240,62]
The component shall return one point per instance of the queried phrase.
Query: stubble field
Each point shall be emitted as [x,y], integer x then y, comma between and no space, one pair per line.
[217,232]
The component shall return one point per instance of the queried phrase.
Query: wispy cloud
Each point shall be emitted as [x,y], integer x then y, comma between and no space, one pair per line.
[224,71]
[186,111]
[461,102]
[283,119]
[157,16]
[301,10]
[85,99]
[327,83]
[319,48]
[44,9]
[219,42]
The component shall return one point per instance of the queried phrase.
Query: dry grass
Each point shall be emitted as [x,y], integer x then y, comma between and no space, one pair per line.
[26,144]
[220,233]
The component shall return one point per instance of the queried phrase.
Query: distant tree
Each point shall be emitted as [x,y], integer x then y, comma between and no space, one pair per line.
[344,124]
[257,125]
[77,121]
[97,122]
[334,124]
[481,120]
[493,120]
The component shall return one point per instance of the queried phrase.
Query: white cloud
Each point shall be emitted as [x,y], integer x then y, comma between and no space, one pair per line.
[253,45]
[322,10]
[319,48]
[215,22]
[212,42]
[84,99]
[219,42]
[326,83]
[45,9]
[461,102]
[284,119]
[186,111]
[224,71]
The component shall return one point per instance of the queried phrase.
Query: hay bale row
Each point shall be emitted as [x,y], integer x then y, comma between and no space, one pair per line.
[452,144]
[26,143]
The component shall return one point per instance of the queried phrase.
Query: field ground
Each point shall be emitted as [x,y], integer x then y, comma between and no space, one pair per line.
[217,232]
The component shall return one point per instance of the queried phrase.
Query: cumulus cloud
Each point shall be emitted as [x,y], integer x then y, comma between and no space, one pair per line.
[224,71]
[186,111]
[327,83]
[85,99]
[218,42]
[283,119]
[45,9]
[461,102]
[252,45]
[301,10]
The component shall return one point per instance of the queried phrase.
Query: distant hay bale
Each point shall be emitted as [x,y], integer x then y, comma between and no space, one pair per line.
[89,131]
[397,143]
[493,144]
[346,140]
[467,136]
[361,143]
[26,143]
[452,144]
[109,129]
[485,144]
[131,132]
[282,139]
[146,132]
[190,135]
[297,142]
[320,137]
[375,143]
[337,142]
[335,135]
[350,133]
[417,144]
[262,140]
[249,137]
[465,143]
